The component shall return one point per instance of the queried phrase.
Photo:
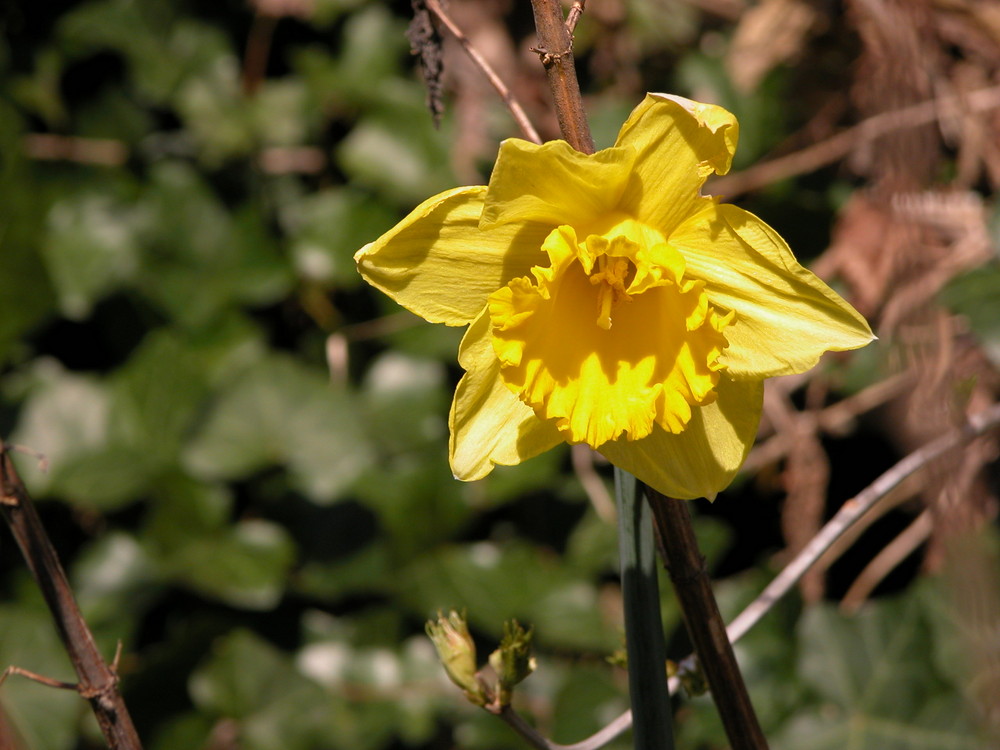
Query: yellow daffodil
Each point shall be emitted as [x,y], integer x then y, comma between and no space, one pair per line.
[610,303]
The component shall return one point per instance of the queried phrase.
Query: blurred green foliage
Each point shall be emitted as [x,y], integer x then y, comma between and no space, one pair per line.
[266,524]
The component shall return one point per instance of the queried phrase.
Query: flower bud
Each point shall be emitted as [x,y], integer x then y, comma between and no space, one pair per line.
[457,652]
[513,661]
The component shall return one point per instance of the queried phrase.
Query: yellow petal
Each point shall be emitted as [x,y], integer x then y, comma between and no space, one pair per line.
[554,183]
[785,316]
[704,458]
[678,143]
[489,425]
[437,263]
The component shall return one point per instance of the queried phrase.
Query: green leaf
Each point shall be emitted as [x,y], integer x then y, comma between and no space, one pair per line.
[281,114]
[281,412]
[562,609]
[327,228]
[156,397]
[249,680]
[43,717]
[199,258]
[181,509]
[114,581]
[376,153]
[406,403]
[25,293]
[245,565]
[64,417]
[586,700]
[105,445]
[976,295]
[145,34]
[876,683]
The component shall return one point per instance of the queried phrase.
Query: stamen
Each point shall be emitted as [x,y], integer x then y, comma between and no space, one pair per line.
[612,276]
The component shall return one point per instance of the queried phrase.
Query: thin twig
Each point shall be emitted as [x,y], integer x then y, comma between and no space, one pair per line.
[686,565]
[102,152]
[555,49]
[573,17]
[835,419]
[886,561]
[597,740]
[853,510]
[840,145]
[98,682]
[582,458]
[516,110]
[258,50]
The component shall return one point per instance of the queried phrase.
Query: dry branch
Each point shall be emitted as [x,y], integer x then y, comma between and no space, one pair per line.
[98,682]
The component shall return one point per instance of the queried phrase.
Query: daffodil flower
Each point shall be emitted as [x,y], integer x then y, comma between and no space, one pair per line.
[610,303]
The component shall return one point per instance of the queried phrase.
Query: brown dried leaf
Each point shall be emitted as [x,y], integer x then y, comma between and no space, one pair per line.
[769,34]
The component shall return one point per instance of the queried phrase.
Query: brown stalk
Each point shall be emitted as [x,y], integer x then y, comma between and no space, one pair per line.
[98,682]
[555,49]
[686,566]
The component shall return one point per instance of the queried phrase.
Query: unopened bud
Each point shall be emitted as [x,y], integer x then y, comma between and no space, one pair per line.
[454,645]
[513,661]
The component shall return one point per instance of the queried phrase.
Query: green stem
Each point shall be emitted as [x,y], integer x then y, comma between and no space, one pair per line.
[647,660]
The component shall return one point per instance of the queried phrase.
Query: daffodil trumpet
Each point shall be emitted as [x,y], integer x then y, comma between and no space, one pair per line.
[608,302]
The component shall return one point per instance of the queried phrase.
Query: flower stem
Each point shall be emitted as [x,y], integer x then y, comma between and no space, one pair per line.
[686,566]
[555,48]
[647,660]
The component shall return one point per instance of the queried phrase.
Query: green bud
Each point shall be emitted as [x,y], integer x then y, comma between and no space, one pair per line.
[457,652]
[513,661]
[692,678]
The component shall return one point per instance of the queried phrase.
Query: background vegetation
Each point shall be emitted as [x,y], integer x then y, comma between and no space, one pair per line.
[246,462]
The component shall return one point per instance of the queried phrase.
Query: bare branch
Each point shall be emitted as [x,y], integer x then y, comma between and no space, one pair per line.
[574,15]
[516,110]
[886,561]
[834,148]
[582,457]
[98,682]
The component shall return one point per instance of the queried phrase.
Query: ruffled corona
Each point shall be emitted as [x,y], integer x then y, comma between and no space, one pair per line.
[610,339]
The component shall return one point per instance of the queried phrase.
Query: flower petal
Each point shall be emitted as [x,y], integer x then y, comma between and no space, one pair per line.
[678,143]
[785,316]
[704,458]
[489,425]
[554,183]
[437,263]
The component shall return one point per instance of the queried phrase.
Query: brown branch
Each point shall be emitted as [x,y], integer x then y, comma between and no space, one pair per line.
[104,152]
[555,49]
[98,151]
[887,561]
[98,682]
[686,566]
[840,145]
[258,50]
